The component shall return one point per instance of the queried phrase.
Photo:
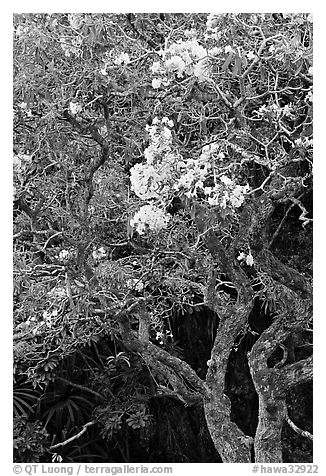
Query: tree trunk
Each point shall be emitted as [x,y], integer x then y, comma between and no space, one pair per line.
[230,442]
[268,441]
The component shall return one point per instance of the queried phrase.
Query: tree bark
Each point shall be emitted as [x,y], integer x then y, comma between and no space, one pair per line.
[272,384]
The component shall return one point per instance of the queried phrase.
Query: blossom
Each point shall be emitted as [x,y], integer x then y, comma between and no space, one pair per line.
[309,96]
[64,255]
[103,70]
[232,196]
[76,20]
[122,59]
[156,83]
[152,216]
[249,259]
[226,180]
[17,163]
[21,161]
[156,67]
[136,284]
[47,317]
[250,55]
[167,121]
[193,175]
[159,337]
[181,58]
[145,181]
[288,111]
[228,48]
[212,21]
[99,254]
[57,292]
[215,51]
[200,71]
[306,142]
[176,64]
[75,108]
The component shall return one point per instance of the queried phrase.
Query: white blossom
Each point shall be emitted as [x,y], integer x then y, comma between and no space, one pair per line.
[176,64]
[150,215]
[215,51]
[64,255]
[250,55]
[122,59]
[249,259]
[99,254]
[75,108]
[226,180]
[156,67]
[76,20]
[156,83]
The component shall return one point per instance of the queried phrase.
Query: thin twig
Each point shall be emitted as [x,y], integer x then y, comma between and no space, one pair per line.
[66,442]
[81,387]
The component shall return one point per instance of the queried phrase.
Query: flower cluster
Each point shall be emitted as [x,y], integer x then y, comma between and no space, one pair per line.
[136,284]
[153,179]
[226,194]
[212,24]
[193,173]
[248,259]
[212,151]
[48,317]
[57,292]
[75,108]
[305,142]
[99,254]
[162,336]
[123,59]
[275,112]
[64,255]
[76,20]
[21,161]
[24,107]
[166,174]
[309,96]
[184,58]
[150,216]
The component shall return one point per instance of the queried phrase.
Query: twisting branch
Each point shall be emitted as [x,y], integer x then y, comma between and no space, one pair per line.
[284,358]
[298,430]
[82,431]
[299,372]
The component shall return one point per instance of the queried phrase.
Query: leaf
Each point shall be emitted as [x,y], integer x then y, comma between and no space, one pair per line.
[298,70]
[228,61]
[92,33]
[237,66]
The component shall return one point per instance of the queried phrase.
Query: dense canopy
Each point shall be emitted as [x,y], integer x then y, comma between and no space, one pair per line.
[162,237]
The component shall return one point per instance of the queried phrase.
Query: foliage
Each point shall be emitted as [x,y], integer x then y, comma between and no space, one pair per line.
[30,441]
[161,161]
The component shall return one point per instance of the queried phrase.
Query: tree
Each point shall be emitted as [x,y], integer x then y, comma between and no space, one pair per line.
[160,163]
